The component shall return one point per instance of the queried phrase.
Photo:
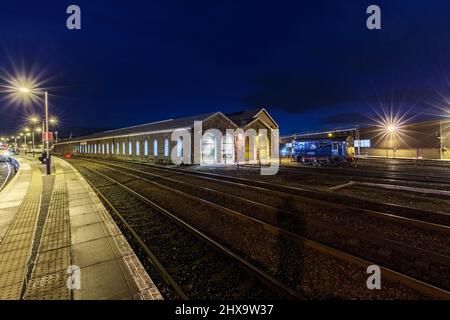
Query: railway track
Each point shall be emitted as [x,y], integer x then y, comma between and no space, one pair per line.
[9,174]
[330,197]
[391,211]
[393,253]
[340,235]
[203,269]
[379,174]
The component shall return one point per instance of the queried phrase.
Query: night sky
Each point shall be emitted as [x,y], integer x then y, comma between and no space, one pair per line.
[312,64]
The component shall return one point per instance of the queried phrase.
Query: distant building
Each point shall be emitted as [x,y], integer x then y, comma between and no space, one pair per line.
[427,140]
[153,141]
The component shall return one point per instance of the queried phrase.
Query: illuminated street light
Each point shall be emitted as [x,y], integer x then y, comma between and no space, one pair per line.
[391,128]
[25,90]
[29,91]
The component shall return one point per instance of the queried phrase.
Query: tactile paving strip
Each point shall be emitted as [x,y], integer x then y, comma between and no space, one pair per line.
[49,277]
[50,286]
[16,245]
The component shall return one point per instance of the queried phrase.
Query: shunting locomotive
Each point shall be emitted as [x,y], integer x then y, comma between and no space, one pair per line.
[320,148]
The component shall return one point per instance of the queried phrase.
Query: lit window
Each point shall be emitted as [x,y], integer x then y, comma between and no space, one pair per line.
[130,149]
[166,148]
[95,148]
[103,148]
[123,148]
[145,148]
[180,147]
[118,148]
[362,143]
[112,148]
[138,148]
[155,147]
[107,148]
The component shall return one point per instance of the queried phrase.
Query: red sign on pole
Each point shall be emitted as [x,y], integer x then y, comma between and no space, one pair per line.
[47,135]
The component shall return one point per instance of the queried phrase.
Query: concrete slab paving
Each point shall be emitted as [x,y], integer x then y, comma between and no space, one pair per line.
[51,239]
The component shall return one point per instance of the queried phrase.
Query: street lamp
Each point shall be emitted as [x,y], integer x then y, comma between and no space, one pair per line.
[30,92]
[34,120]
[390,129]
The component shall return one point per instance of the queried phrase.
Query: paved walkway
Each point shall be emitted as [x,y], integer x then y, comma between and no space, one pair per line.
[57,241]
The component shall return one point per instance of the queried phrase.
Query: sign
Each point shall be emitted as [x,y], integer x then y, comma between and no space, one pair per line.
[47,136]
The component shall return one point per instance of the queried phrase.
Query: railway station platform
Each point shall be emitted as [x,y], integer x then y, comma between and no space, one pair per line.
[58,241]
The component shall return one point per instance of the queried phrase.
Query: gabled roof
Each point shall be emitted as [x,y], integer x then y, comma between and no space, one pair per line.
[244,118]
[241,119]
[165,125]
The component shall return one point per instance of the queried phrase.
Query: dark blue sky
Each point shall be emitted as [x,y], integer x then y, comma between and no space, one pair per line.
[312,64]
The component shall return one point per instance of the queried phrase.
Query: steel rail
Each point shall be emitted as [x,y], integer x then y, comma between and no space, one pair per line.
[7,177]
[342,230]
[150,255]
[392,275]
[441,221]
[261,275]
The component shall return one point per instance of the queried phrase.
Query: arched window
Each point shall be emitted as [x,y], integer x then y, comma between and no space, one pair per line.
[166,147]
[123,148]
[155,147]
[130,149]
[145,148]
[180,147]
[138,148]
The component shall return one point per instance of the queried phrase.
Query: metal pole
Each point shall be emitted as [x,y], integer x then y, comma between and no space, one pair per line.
[441,143]
[358,137]
[33,146]
[46,134]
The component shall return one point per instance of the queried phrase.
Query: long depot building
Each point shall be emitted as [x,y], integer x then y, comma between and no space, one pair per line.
[154,141]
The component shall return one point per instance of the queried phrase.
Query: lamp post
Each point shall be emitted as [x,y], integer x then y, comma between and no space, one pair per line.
[391,129]
[15,142]
[25,139]
[47,161]
[26,134]
[34,120]
[29,91]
